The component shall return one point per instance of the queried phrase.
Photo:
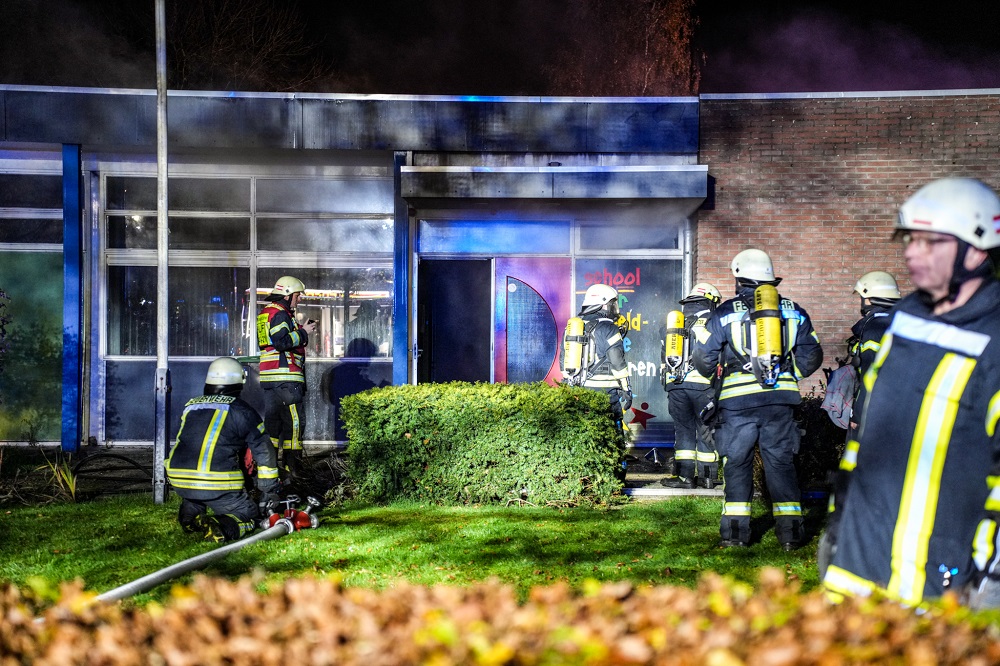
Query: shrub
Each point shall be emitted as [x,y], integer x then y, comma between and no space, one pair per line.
[483,443]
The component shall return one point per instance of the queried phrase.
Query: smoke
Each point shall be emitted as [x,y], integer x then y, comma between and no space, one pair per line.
[817,50]
[66,43]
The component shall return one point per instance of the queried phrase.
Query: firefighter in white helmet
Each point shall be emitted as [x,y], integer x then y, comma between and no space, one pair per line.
[921,511]
[764,344]
[879,292]
[602,364]
[282,341]
[205,465]
[695,459]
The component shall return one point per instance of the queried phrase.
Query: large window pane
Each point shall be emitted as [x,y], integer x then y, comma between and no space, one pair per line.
[209,233]
[493,236]
[27,191]
[313,195]
[611,237]
[186,233]
[218,194]
[325,235]
[647,290]
[31,382]
[352,308]
[31,231]
[207,309]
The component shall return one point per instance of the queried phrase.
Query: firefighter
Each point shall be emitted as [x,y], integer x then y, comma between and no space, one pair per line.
[921,510]
[282,341]
[600,363]
[879,293]
[695,459]
[764,344]
[205,466]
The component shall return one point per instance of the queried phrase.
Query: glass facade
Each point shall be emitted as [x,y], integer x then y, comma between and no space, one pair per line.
[31,282]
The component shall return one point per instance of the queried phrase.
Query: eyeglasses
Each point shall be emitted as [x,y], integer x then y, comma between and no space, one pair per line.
[925,243]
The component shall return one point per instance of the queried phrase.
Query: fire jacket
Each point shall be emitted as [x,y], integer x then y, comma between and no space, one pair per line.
[923,491]
[698,314]
[606,367]
[207,457]
[282,344]
[867,332]
[730,329]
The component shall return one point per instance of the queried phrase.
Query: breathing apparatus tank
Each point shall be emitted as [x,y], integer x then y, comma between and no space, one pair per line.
[766,348]
[574,342]
[674,349]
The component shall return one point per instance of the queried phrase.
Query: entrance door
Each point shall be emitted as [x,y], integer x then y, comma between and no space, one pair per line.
[531,308]
[454,301]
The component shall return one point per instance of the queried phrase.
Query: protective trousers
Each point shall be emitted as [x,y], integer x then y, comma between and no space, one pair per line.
[235,514]
[774,428]
[283,421]
[694,442]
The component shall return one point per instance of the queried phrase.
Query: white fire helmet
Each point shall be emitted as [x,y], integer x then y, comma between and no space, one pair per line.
[962,207]
[703,290]
[753,265]
[288,285]
[598,296]
[877,284]
[225,371]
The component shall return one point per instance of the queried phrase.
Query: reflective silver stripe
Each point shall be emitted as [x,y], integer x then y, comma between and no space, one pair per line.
[736,509]
[938,334]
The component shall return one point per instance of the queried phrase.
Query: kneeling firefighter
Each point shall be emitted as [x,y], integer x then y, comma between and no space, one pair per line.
[695,459]
[593,350]
[205,466]
[764,344]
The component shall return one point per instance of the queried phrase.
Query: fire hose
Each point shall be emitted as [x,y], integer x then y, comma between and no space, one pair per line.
[278,525]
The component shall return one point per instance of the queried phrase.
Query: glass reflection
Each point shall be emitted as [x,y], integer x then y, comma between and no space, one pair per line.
[352,308]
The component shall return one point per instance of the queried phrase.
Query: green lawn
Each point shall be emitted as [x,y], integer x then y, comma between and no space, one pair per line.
[112,541]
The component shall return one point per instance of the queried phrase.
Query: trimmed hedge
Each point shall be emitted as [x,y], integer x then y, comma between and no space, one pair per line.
[483,444]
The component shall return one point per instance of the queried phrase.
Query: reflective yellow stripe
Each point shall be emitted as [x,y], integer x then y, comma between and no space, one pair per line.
[871,345]
[922,483]
[984,544]
[736,509]
[786,509]
[267,472]
[685,455]
[842,582]
[210,440]
[296,442]
[993,499]
[992,414]
[850,458]
[708,457]
[741,383]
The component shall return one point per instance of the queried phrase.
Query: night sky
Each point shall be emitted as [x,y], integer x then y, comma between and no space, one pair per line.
[500,48]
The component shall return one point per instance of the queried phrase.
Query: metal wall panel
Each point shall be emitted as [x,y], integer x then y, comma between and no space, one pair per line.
[267,120]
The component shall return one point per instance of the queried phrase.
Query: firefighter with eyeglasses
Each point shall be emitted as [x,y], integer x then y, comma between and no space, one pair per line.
[764,344]
[922,505]
[282,341]
[206,464]
[696,462]
[593,353]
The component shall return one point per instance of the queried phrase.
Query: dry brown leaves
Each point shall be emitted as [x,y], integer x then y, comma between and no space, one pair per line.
[311,621]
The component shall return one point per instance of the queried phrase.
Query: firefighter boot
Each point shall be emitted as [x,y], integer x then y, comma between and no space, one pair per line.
[684,478]
[188,515]
[222,528]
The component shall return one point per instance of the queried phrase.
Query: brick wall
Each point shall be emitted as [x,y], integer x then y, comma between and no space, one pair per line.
[816,181]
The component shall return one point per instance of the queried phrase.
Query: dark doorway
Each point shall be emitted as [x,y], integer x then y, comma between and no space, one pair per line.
[454,303]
